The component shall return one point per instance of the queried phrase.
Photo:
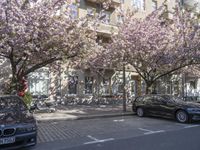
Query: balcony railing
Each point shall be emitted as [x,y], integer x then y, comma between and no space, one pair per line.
[191,3]
[107,29]
[114,3]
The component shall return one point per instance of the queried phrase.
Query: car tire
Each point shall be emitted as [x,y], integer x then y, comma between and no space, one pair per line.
[140,112]
[182,116]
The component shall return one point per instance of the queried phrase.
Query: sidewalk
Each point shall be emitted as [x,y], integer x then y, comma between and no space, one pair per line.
[77,112]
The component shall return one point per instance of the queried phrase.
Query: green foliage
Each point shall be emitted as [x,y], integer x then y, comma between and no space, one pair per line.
[27,99]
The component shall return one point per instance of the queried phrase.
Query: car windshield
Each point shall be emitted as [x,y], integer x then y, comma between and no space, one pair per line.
[171,98]
[11,103]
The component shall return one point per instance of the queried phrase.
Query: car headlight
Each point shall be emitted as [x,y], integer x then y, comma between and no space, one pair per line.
[193,109]
[26,129]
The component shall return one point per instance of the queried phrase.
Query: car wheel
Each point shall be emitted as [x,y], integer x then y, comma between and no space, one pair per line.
[140,112]
[182,116]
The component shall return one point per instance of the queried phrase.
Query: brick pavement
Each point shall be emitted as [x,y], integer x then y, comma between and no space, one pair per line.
[56,126]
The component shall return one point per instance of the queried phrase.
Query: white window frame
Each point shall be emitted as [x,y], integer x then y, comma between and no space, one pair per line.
[133,89]
[89,85]
[37,77]
[120,18]
[106,86]
[105,17]
[91,11]
[73,11]
[138,4]
[75,80]
[154,5]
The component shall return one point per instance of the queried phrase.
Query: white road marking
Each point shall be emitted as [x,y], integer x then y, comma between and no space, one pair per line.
[150,131]
[191,126]
[187,126]
[99,141]
[95,140]
[145,130]
[120,120]
[159,131]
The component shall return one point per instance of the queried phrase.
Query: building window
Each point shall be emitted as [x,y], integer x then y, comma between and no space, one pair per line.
[120,88]
[168,88]
[72,84]
[38,83]
[106,86]
[154,4]
[193,84]
[88,85]
[120,19]
[73,11]
[181,2]
[176,88]
[138,4]
[105,17]
[91,11]
[143,87]
[133,88]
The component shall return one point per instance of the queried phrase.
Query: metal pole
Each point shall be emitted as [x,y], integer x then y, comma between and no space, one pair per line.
[124,90]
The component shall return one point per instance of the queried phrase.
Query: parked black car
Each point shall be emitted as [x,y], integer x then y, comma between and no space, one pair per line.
[166,106]
[17,125]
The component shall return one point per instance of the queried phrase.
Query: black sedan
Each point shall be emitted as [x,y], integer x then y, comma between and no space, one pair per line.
[166,106]
[17,125]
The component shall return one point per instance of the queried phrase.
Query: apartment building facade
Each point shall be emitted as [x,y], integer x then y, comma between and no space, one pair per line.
[72,83]
[83,84]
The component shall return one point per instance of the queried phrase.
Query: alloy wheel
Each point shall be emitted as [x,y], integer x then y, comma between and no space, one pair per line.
[140,112]
[181,116]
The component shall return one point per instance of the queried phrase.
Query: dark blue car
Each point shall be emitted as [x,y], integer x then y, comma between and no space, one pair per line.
[17,125]
[166,106]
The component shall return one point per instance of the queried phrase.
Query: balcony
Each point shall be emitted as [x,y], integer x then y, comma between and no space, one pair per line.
[114,3]
[106,29]
[191,3]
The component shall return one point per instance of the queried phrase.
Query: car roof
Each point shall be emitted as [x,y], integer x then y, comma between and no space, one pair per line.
[156,95]
[161,95]
[7,96]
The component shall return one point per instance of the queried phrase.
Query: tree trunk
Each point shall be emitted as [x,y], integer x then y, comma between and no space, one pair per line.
[15,85]
[154,85]
[147,90]
[148,87]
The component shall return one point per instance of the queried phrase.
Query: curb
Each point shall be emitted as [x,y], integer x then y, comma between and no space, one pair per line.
[89,117]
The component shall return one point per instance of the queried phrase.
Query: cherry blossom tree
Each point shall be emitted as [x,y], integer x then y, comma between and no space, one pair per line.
[35,33]
[157,45]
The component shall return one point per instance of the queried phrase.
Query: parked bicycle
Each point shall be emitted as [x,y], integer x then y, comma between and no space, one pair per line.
[43,104]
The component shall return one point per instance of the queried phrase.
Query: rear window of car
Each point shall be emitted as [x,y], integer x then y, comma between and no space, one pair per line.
[143,98]
[170,98]
[11,103]
[138,99]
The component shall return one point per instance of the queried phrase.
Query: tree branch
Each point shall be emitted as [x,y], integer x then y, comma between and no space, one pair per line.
[40,65]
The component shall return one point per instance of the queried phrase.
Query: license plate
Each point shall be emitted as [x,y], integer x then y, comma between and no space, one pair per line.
[8,140]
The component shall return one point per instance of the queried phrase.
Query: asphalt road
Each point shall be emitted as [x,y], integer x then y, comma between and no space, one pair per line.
[187,139]
[118,133]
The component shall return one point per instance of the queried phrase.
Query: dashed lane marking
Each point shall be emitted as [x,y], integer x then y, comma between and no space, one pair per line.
[191,126]
[120,120]
[147,132]
[95,140]
[187,126]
